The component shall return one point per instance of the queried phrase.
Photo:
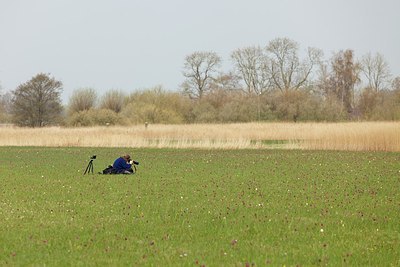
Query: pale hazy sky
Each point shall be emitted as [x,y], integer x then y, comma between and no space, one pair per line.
[132,44]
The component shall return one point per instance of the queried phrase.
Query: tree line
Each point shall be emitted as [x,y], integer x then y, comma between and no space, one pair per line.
[278,82]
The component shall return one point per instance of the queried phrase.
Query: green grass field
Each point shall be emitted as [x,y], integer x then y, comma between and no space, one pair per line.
[199,207]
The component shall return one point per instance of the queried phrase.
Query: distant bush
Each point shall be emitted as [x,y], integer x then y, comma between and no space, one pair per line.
[95,117]
[156,106]
[137,113]
[240,109]
[204,112]
[387,106]
[113,100]
[82,99]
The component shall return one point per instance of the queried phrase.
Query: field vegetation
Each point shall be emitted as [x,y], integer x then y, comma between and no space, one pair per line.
[356,136]
[192,207]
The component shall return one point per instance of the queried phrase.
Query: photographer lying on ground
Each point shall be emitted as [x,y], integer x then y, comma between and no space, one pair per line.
[122,165]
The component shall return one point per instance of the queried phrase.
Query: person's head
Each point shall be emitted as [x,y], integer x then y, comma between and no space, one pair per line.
[126,157]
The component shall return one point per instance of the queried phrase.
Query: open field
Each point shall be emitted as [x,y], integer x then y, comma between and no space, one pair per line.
[199,207]
[359,136]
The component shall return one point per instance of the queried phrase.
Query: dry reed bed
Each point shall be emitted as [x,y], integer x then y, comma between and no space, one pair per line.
[358,136]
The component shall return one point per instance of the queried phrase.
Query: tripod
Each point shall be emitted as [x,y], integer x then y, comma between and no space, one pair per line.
[89,167]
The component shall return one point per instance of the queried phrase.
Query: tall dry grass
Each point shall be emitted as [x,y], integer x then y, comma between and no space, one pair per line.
[361,136]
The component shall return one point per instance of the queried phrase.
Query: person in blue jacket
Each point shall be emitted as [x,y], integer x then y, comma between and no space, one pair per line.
[123,165]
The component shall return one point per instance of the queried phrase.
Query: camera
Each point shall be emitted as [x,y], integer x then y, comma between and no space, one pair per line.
[93,157]
[134,162]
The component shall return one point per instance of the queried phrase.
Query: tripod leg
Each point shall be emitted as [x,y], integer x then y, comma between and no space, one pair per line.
[91,166]
[88,168]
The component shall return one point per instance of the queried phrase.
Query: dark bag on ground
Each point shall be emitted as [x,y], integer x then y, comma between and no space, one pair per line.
[111,170]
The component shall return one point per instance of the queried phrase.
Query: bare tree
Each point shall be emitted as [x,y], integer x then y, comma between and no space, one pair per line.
[396,84]
[82,99]
[113,100]
[252,65]
[343,78]
[199,71]
[376,70]
[321,87]
[225,82]
[5,107]
[37,102]
[287,71]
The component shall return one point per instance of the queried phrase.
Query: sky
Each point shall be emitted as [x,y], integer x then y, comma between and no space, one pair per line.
[131,45]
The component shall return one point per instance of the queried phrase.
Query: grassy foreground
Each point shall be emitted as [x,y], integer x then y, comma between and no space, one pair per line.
[199,207]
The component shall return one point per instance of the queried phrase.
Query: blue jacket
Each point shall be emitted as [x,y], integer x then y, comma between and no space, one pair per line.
[120,164]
